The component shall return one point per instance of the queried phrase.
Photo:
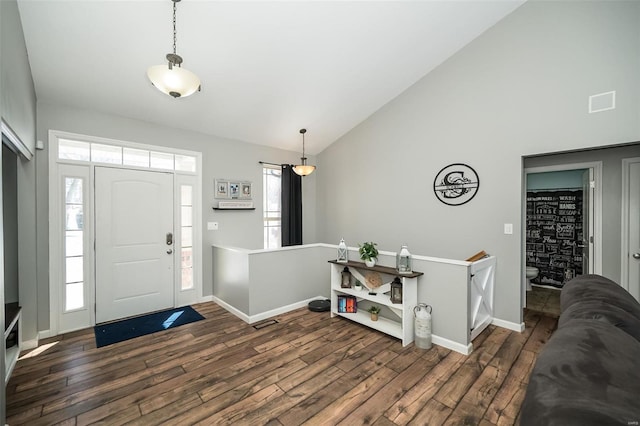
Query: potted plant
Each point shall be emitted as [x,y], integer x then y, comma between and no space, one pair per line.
[368,253]
[374,311]
[358,285]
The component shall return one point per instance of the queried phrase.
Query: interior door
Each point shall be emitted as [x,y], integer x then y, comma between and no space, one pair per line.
[134,242]
[633,217]
[587,221]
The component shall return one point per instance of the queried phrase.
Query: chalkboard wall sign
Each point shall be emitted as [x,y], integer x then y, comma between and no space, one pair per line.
[554,235]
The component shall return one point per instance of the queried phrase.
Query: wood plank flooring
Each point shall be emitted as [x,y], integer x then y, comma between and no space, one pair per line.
[306,369]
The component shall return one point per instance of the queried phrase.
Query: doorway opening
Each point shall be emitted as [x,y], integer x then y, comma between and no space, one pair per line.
[630,227]
[562,230]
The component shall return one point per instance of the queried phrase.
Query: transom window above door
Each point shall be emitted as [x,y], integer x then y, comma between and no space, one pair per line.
[114,154]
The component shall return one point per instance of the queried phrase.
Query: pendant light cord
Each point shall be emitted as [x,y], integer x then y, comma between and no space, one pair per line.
[304,159]
[303,144]
[175,34]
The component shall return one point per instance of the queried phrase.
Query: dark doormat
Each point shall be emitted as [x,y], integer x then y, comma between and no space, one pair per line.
[108,334]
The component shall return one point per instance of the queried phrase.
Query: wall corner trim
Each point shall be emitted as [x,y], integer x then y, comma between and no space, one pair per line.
[15,140]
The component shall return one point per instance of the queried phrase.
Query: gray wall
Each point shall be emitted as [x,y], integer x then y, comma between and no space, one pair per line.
[519,89]
[18,110]
[295,274]
[611,195]
[18,92]
[18,101]
[10,221]
[2,343]
[222,158]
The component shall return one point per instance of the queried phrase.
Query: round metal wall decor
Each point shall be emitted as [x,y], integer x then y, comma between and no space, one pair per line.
[456,184]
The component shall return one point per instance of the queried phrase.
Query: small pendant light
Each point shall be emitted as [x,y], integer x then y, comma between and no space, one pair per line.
[303,169]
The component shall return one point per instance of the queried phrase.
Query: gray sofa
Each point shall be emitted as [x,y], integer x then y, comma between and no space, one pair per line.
[588,373]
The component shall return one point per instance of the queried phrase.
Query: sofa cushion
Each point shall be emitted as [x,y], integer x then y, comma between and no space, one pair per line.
[604,311]
[587,374]
[596,287]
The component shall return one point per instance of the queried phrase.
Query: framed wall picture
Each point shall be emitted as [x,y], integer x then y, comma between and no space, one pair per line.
[234,189]
[245,190]
[222,189]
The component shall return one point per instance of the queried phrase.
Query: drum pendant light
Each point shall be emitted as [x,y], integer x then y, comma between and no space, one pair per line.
[303,169]
[172,79]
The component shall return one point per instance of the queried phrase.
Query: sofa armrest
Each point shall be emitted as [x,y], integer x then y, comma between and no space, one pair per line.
[587,374]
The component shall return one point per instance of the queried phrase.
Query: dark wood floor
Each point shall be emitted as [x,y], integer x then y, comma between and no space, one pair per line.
[544,300]
[309,368]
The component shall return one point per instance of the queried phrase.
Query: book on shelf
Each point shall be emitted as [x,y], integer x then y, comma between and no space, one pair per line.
[347,304]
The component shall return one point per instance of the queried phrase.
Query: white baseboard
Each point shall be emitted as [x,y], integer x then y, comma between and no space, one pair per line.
[204,299]
[282,310]
[29,344]
[250,319]
[509,325]
[450,344]
[45,334]
[244,317]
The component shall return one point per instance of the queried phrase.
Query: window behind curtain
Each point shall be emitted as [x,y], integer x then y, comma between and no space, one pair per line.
[272,206]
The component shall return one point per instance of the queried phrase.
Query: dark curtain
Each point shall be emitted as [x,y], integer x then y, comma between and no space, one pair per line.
[291,207]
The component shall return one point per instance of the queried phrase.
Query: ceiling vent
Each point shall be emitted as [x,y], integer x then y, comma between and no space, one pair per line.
[602,102]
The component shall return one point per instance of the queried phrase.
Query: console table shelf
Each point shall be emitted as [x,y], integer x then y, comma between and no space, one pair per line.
[395,319]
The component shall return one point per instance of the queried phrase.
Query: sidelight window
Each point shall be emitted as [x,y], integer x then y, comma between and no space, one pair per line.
[73,244]
[186,236]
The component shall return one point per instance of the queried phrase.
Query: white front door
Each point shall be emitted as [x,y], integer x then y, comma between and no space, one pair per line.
[134,242]
[632,216]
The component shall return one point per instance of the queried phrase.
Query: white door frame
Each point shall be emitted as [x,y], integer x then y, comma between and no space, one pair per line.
[596,252]
[58,169]
[624,237]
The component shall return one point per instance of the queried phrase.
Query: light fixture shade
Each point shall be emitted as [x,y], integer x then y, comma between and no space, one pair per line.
[303,169]
[177,81]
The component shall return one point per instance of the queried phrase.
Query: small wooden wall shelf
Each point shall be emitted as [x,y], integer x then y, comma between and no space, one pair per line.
[235,208]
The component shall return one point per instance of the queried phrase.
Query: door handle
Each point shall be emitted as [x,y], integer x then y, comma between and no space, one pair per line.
[636,255]
[169,238]
[169,251]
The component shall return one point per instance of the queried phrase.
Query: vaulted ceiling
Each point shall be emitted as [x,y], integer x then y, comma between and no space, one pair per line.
[268,68]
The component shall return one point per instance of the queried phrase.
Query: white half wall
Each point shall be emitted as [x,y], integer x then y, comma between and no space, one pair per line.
[257,284]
